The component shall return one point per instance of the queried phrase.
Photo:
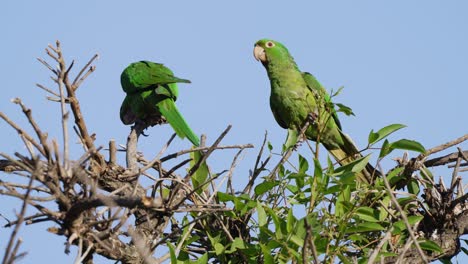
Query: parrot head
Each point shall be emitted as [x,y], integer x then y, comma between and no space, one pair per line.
[269,51]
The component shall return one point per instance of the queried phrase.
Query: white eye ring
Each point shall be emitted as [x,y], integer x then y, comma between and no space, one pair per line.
[270,44]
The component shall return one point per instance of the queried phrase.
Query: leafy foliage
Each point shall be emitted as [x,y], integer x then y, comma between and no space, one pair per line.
[300,210]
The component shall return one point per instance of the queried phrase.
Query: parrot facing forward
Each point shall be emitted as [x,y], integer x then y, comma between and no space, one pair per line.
[151,90]
[295,95]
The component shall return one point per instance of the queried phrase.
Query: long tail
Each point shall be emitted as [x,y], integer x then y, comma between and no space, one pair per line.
[348,153]
[169,110]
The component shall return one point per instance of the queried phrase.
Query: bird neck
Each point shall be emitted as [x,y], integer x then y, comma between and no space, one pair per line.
[283,70]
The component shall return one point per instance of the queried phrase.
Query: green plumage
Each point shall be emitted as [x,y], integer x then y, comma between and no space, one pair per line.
[151,90]
[295,94]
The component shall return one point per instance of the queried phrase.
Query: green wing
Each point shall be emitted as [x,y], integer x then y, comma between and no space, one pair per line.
[144,75]
[322,95]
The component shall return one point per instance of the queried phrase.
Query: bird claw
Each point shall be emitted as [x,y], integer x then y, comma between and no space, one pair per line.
[296,146]
[299,142]
[312,117]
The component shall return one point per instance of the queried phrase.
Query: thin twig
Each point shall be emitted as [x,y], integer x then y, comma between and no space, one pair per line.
[382,242]
[9,256]
[182,152]
[20,131]
[404,218]
[47,89]
[47,65]
[257,170]
[64,112]
[309,239]
[288,153]
[208,152]
[42,137]
[75,82]
[156,159]
[112,152]
[446,145]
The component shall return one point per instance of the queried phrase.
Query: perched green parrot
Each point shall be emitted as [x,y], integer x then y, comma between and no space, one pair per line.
[295,95]
[151,90]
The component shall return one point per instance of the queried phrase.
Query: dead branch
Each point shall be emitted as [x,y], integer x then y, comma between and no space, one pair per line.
[108,209]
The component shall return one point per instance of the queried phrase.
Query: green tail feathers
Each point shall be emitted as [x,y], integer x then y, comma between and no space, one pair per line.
[348,153]
[169,110]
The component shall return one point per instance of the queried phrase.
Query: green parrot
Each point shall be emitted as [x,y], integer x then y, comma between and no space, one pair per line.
[151,90]
[295,95]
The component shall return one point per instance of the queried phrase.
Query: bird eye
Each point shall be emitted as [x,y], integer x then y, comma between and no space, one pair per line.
[270,44]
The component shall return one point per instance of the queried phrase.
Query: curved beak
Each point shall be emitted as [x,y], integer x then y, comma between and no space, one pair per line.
[259,53]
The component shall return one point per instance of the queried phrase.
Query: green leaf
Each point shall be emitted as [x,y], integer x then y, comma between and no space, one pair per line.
[400,225]
[343,198]
[191,239]
[265,187]
[365,227]
[385,150]
[219,249]
[322,244]
[172,252]
[267,256]
[359,238]
[303,164]
[245,206]
[385,203]
[238,243]
[299,178]
[394,173]
[413,219]
[337,91]
[270,146]
[413,187]
[344,109]
[344,259]
[333,189]
[319,176]
[403,201]
[297,240]
[224,197]
[403,144]
[262,217]
[200,176]
[383,133]
[406,144]
[291,221]
[355,166]
[367,214]
[293,188]
[213,240]
[278,222]
[202,260]
[430,245]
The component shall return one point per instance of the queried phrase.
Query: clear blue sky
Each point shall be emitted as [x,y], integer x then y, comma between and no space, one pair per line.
[399,61]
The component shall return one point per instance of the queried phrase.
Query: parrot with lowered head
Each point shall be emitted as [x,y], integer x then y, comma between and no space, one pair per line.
[295,95]
[151,91]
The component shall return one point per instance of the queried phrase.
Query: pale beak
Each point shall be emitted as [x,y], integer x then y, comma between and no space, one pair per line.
[259,53]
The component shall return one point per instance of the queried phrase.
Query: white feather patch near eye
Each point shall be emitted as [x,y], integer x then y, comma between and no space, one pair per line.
[270,44]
